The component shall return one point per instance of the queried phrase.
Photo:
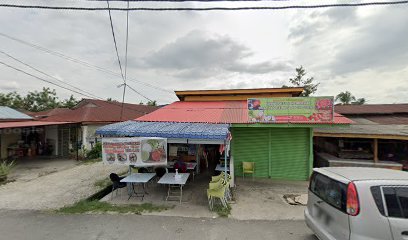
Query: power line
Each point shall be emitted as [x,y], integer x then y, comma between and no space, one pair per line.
[55,84]
[205,8]
[44,80]
[81,62]
[131,88]
[46,74]
[126,58]
[114,41]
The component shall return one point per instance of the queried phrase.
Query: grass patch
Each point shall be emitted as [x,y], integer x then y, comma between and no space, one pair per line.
[222,211]
[90,161]
[96,206]
[103,183]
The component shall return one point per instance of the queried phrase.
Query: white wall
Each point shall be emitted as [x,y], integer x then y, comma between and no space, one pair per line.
[88,134]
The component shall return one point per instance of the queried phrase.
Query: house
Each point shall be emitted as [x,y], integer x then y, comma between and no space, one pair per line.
[378,137]
[22,135]
[280,149]
[86,117]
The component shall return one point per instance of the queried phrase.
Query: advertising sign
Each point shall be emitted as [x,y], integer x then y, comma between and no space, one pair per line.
[291,109]
[140,152]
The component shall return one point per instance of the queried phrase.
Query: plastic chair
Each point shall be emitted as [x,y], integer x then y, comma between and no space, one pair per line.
[248,168]
[116,184]
[219,193]
[221,179]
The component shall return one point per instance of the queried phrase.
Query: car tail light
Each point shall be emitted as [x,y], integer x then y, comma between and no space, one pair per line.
[353,205]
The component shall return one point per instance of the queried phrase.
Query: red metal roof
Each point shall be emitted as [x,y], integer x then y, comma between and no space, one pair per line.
[375,109]
[91,110]
[28,124]
[212,112]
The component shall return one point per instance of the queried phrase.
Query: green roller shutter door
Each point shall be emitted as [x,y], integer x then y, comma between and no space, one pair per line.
[289,153]
[278,153]
[251,145]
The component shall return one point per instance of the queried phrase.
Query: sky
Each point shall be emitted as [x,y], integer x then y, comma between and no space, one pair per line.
[362,50]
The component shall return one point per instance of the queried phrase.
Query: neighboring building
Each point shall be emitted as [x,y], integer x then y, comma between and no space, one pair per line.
[378,137]
[87,116]
[279,150]
[21,135]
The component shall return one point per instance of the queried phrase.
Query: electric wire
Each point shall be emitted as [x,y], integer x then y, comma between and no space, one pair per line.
[316,6]
[46,74]
[81,62]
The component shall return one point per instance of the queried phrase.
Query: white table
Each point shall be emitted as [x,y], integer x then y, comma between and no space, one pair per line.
[134,178]
[190,166]
[174,183]
[221,168]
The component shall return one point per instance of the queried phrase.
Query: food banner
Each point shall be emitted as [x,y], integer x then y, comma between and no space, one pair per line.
[140,152]
[291,109]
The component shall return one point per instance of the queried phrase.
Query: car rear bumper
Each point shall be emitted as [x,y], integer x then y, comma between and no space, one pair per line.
[316,228]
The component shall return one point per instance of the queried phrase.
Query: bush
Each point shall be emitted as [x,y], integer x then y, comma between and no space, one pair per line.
[5,168]
[95,152]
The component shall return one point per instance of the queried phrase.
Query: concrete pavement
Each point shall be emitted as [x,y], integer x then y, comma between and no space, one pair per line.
[43,225]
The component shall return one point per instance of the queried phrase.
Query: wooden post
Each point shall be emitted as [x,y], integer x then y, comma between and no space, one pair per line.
[375,150]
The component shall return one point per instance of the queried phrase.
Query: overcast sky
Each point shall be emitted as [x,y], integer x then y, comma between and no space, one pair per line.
[362,50]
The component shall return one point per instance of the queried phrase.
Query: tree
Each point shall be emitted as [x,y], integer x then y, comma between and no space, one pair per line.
[11,99]
[69,103]
[345,98]
[41,101]
[36,101]
[151,103]
[299,81]
[359,101]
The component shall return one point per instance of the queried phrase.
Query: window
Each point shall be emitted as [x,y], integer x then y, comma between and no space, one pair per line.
[396,201]
[376,192]
[329,190]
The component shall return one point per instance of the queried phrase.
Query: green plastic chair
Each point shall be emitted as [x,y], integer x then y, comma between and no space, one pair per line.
[248,168]
[217,193]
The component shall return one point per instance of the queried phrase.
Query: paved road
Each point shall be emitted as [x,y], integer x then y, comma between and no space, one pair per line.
[39,225]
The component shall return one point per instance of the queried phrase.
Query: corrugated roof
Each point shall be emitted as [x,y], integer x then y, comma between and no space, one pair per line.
[366,129]
[166,130]
[28,124]
[91,110]
[9,113]
[375,109]
[212,112]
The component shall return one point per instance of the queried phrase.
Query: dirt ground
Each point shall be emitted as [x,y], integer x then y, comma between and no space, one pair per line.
[254,200]
[56,189]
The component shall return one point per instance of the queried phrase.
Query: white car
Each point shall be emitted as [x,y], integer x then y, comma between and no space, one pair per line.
[358,204]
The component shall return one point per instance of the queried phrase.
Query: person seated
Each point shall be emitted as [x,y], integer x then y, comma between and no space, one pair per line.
[181,166]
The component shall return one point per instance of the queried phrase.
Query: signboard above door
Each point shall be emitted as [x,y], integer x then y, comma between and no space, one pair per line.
[291,110]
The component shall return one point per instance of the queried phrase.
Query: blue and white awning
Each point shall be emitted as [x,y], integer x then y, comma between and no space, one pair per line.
[170,130]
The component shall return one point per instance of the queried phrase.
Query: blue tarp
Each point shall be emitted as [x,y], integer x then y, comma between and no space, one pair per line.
[166,130]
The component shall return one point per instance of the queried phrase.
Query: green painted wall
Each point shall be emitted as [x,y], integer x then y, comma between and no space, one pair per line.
[278,153]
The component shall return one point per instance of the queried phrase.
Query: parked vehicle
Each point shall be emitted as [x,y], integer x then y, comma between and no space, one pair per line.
[358,203]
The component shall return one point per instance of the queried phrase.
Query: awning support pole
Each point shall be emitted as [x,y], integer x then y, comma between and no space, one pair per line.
[375,150]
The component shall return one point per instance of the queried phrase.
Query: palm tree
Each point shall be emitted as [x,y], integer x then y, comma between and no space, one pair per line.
[359,101]
[345,98]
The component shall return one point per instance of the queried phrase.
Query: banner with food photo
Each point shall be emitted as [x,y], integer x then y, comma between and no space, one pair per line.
[291,109]
[139,152]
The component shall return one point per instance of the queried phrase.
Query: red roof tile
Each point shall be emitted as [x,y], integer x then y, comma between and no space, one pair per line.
[210,112]
[375,109]
[90,110]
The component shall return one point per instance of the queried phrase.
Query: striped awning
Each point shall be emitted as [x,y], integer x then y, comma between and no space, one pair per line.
[175,130]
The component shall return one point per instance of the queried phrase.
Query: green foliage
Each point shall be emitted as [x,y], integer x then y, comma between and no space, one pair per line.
[36,101]
[96,206]
[299,81]
[346,98]
[5,168]
[359,101]
[222,211]
[95,152]
[151,103]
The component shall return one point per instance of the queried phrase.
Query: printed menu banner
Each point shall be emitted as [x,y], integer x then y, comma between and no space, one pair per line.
[291,109]
[140,152]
